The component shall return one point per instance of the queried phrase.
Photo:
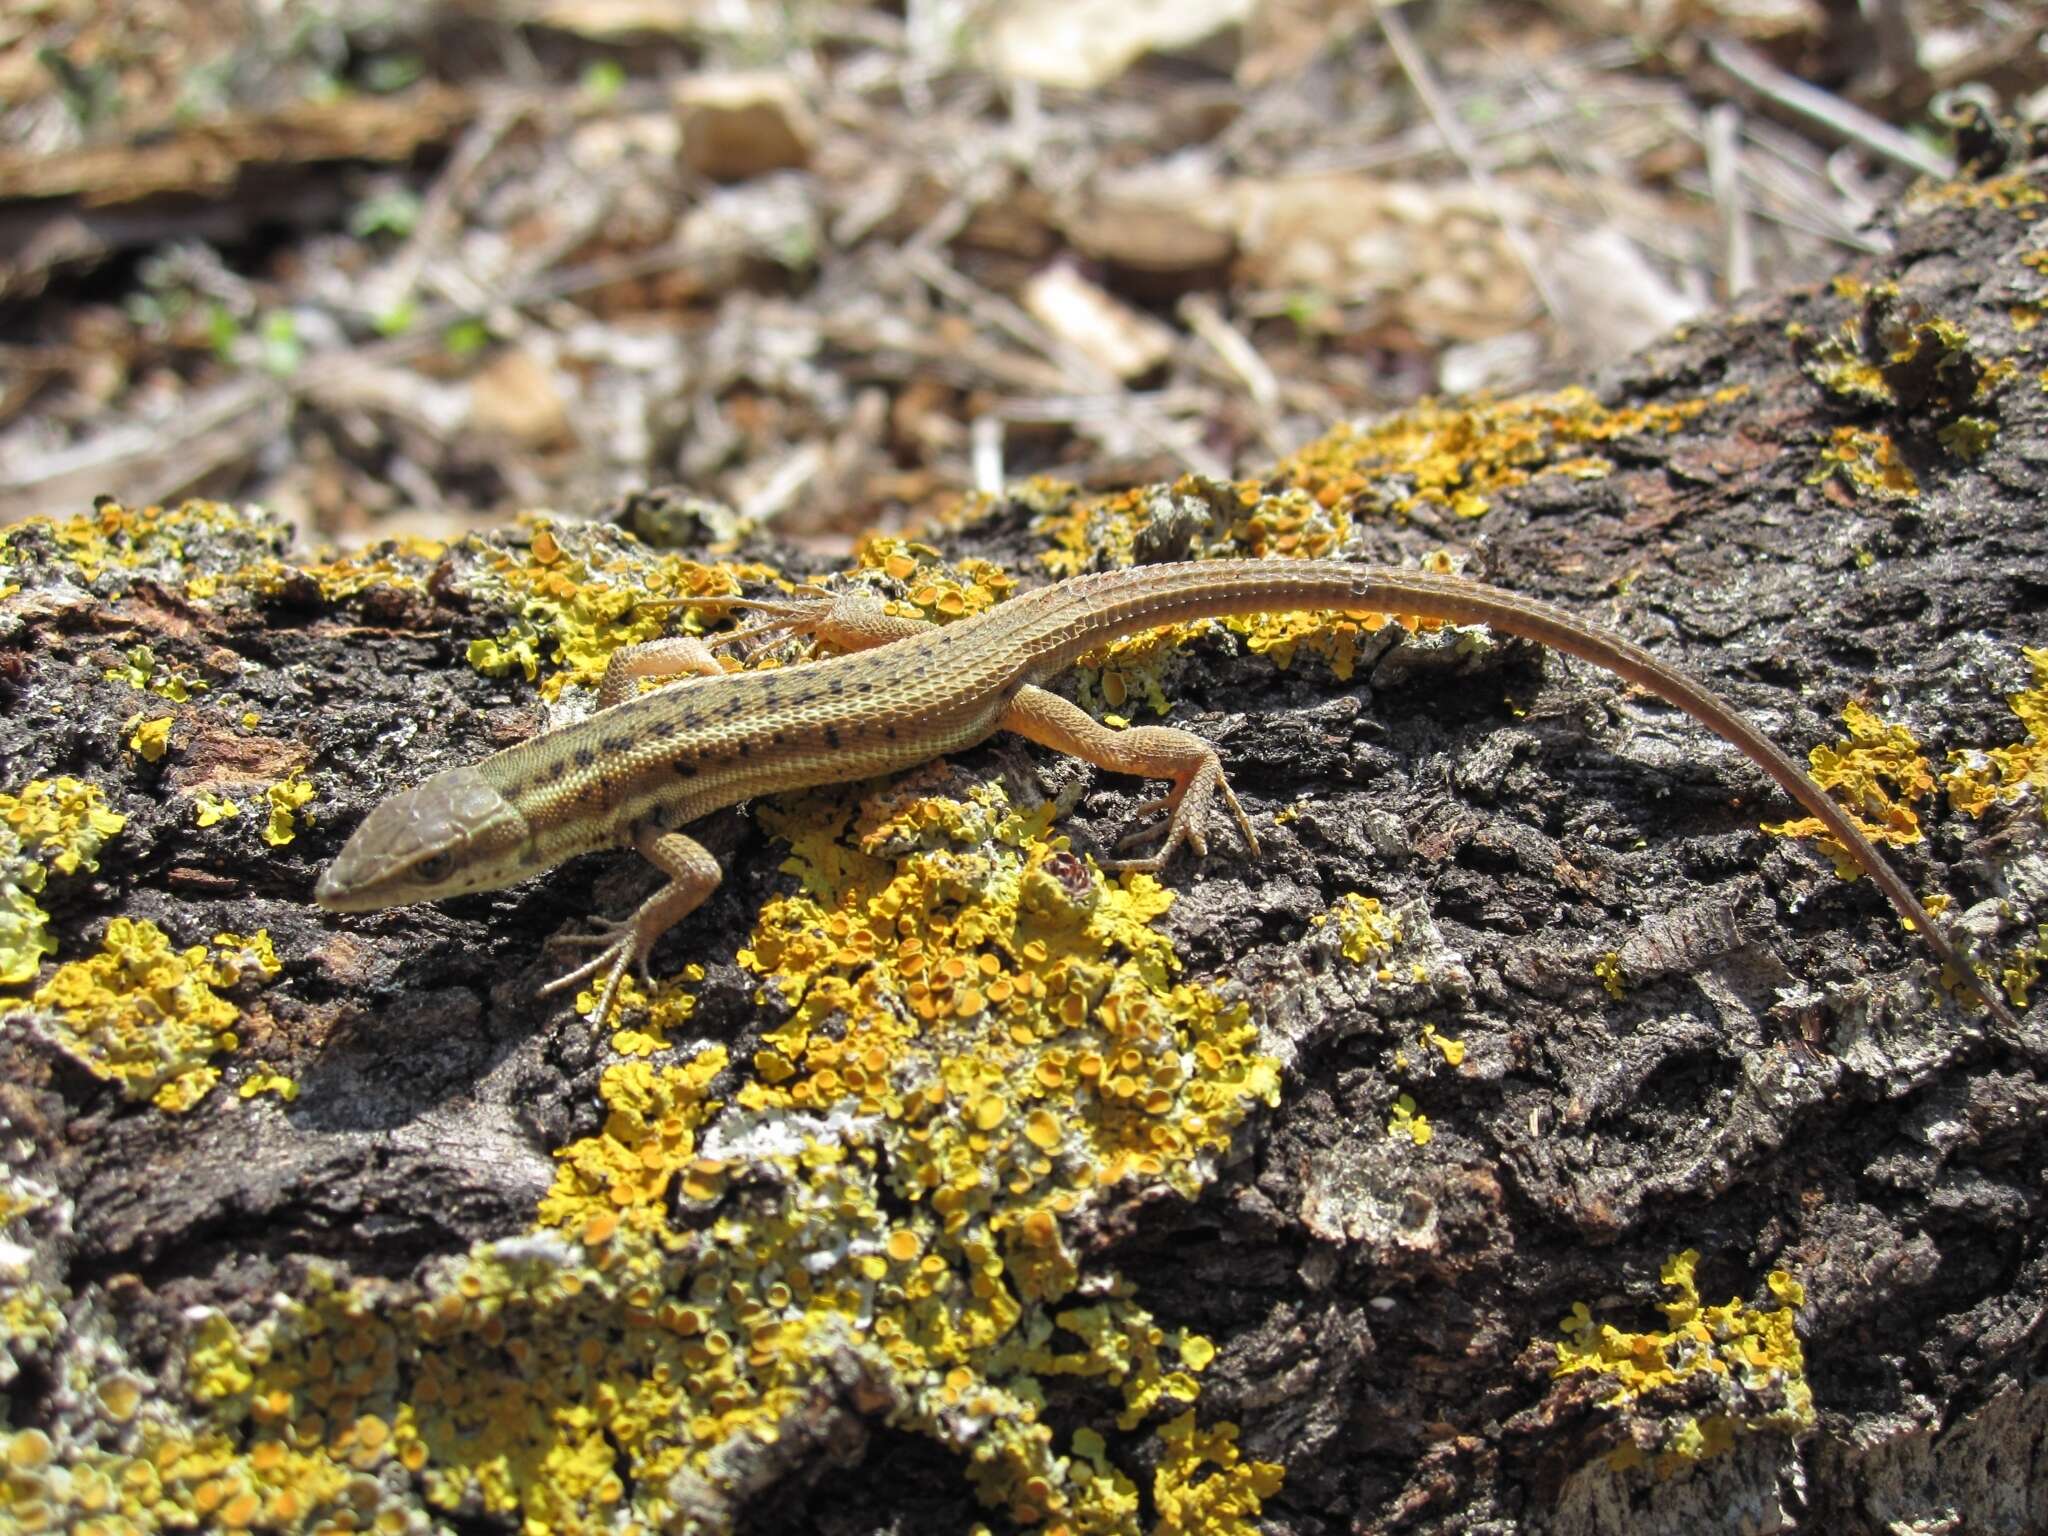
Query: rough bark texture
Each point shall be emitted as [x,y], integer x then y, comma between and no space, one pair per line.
[1761,1068]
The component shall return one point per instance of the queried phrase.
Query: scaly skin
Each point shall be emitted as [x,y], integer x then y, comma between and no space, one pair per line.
[644,765]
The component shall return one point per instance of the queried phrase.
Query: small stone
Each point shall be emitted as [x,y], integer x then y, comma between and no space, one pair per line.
[740,126]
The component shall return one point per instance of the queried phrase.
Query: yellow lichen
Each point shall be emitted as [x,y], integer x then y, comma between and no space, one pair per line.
[2017,192]
[1203,1486]
[142,671]
[287,799]
[1968,437]
[31,1317]
[1608,970]
[1453,1051]
[53,825]
[980,1034]
[933,587]
[1867,462]
[1408,1121]
[1878,773]
[1889,356]
[399,564]
[149,739]
[1457,457]
[2023,972]
[1366,932]
[262,1079]
[653,1014]
[145,1015]
[210,810]
[577,592]
[113,545]
[2001,775]
[1321,501]
[1755,1354]
[1238,521]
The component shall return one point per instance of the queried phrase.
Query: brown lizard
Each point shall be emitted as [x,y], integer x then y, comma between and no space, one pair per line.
[643,765]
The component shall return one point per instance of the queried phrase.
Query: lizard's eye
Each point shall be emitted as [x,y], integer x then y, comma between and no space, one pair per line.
[433,868]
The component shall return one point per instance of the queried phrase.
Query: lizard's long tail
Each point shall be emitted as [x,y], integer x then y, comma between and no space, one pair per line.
[1080,614]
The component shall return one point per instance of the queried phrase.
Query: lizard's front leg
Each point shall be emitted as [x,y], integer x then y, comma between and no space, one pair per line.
[693,874]
[1148,751]
[853,621]
[679,655]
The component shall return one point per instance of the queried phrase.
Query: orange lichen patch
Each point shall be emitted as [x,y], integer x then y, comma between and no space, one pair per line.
[649,1138]
[1446,457]
[2001,775]
[52,826]
[1878,773]
[1867,462]
[577,592]
[669,1005]
[403,564]
[932,587]
[147,1016]
[2019,193]
[1754,1358]
[967,934]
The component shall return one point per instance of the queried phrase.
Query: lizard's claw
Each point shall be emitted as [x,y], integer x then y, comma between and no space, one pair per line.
[1187,806]
[792,617]
[618,946]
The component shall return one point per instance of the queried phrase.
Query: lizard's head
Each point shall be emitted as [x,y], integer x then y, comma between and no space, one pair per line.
[446,837]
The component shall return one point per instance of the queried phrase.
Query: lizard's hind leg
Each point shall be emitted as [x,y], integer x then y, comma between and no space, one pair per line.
[1148,751]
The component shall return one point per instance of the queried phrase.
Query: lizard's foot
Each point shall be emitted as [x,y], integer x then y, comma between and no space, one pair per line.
[852,621]
[1187,806]
[619,944]
[790,617]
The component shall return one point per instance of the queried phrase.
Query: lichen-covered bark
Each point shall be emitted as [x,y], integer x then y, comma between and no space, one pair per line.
[1527,1142]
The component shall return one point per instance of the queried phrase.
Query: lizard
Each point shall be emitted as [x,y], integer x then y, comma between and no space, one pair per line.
[644,764]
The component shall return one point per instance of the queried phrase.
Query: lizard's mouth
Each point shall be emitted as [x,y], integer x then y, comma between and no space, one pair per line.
[334,895]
